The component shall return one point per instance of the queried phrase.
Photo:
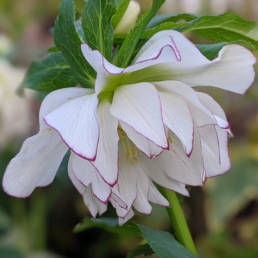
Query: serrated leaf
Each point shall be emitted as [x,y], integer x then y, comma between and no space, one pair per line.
[128,46]
[119,13]
[140,250]
[211,50]
[50,74]
[164,244]
[227,27]
[97,27]
[109,224]
[68,41]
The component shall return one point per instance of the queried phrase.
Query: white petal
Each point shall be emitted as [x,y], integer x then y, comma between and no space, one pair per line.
[216,162]
[35,165]
[155,171]
[94,205]
[123,220]
[201,115]
[232,70]
[58,97]
[139,106]
[107,154]
[214,108]
[178,119]
[87,174]
[76,123]
[141,202]
[101,66]
[142,143]
[156,197]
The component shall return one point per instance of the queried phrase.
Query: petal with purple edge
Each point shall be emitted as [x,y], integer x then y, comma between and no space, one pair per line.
[87,174]
[35,165]
[131,105]
[57,98]
[178,119]
[142,143]
[106,161]
[77,125]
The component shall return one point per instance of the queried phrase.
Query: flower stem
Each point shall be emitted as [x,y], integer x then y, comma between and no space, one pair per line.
[178,221]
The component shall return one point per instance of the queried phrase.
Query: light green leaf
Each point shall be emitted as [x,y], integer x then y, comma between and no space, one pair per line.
[227,27]
[97,27]
[50,74]
[211,50]
[68,41]
[128,46]
[119,13]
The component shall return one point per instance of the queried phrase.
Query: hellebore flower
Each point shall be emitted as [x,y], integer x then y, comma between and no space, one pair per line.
[141,125]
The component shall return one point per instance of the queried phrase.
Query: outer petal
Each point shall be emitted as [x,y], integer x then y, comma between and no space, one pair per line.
[101,66]
[87,174]
[131,105]
[232,70]
[35,165]
[107,154]
[57,98]
[76,123]
[178,119]
[215,109]
[142,143]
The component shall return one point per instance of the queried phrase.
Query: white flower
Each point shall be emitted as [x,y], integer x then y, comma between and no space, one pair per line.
[14,110]
[143,124]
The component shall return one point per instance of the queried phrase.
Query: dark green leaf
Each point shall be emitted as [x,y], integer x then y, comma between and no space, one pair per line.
[227,27]
[127,49]
[50,74]
[109,224]
[120,13]
[164,244]
[140,250]
[211,50]
[68,41]
[97,27]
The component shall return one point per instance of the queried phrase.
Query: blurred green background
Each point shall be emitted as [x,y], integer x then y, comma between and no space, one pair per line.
[223,216]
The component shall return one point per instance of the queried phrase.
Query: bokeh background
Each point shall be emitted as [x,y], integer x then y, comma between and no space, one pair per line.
[223,216]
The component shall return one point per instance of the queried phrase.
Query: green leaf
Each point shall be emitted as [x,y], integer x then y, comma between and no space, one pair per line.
[128,46]
[50,74]
[227,27]
[164,244]
[96,23]
[140,250]
[68,41]
[109,224]
[211,50]
[119,13]
[177,18]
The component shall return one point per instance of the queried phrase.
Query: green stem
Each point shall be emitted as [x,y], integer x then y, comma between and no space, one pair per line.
[178,221]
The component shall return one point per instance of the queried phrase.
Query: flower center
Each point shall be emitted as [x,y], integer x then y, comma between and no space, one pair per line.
[129,148]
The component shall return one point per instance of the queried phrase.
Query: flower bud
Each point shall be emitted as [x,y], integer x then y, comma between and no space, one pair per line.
[129,19]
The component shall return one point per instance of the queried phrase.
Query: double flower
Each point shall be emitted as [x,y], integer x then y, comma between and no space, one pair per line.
[140,126]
